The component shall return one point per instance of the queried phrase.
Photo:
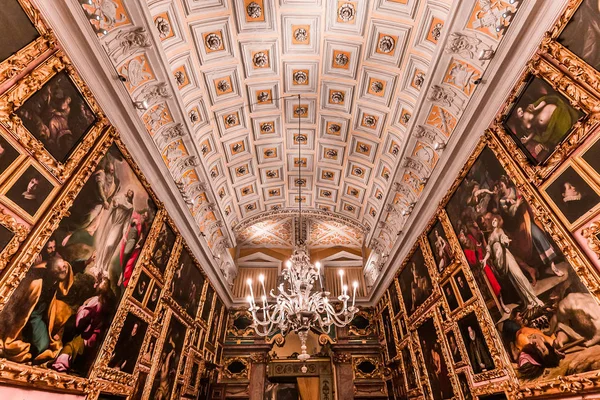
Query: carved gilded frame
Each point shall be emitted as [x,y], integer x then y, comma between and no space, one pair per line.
[16,96]
[353,330]
[382,335]
[243,375]
[233,331]
[408,346]
[376,361]
[16,63]
[550,48]
[19,231]
[434,315]
[439,217]
[579,97]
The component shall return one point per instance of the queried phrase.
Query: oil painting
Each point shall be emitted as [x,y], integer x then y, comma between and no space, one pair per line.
[29,191]
[544,314]
[168,362]
[390,342]
[127,349]
[394,300]
[163,248]
[582,34]
[442,253]
[409,369]
[435,365]
[415,282]
[207,306]
[475,344]
[57,115]
[540,119]
[16,29]
[187,282]
[59,314]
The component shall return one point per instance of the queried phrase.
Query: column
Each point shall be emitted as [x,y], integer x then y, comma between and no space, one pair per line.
[258,374]
[343,376]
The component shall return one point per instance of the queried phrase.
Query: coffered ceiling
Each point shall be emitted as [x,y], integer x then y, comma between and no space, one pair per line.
[350,71]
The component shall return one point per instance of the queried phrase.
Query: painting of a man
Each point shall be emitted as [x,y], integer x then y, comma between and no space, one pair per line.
[415,283]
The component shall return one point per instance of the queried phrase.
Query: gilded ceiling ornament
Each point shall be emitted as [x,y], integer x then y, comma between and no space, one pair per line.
[300,77]
[436,32]
[262,97]
[363,148]
[273,192]
[241,170]
[267,127]
[300,110]
[179,77]
[386,44]
[326,193]
[301,138]
[327,175]
[250,207]
[301,35]
[260,59]
[254,10]
[272,174]
[163,26]
[347,12]
[237,147]
[341,60]
[369,121]
[395,150]
[246,191]
[353,192]
[334,129]
[223,85]
[376,86]
[300,182]
[358,171]
[337,97]
[269,152]
[213,41]
[231,120]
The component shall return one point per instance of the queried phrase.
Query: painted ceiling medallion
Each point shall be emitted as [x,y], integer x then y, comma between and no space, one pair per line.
[194,117]
[347,12]
[341,60]
[386,44]
[267,127]
[301,35]
[213,42]
[300,77]
[163,26]
[254,10]
[301,110]
[260,59]
[331,154]
[336,97]
[180,77]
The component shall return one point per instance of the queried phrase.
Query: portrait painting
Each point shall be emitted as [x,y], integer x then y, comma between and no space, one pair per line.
[450,296]
[442,253]
[154,297]
[435,365]
[571,195]
[58,116]
[409,369]
[453,346]
[141,288]
[187,283]
[62,309]
[138,390]
[463,286]
[29,192]
[127,349]
[415,282]
[540,119]
[163,248]
[463,383]
[168,362]
[394,300]
[390,342]
[9,155]
[207,306]
[475,344]
[16,29]
[582,34]
[149,351]
[530,281]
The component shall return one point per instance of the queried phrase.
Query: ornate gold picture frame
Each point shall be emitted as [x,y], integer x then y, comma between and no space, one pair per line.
[12,234]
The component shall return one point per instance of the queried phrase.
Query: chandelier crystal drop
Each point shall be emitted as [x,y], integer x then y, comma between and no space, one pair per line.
[301,302]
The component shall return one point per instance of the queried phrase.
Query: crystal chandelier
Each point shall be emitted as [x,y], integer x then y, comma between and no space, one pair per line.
[300,304]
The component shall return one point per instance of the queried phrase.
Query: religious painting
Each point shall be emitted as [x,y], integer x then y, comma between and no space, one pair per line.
[475,344]
[29,191]
[168,361]
[388,333]
[154,297]
[582,34]
[187,283]
[463,383]
[572,195]
[442,252]
[540,119]
[453,346]
[10,157]
[138,390]
[435,365]
[394,300]
[141,288]
[59,314]
[57,115]
[163,248]
[531,281]
[127,349]
[450,296]
[415,282]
